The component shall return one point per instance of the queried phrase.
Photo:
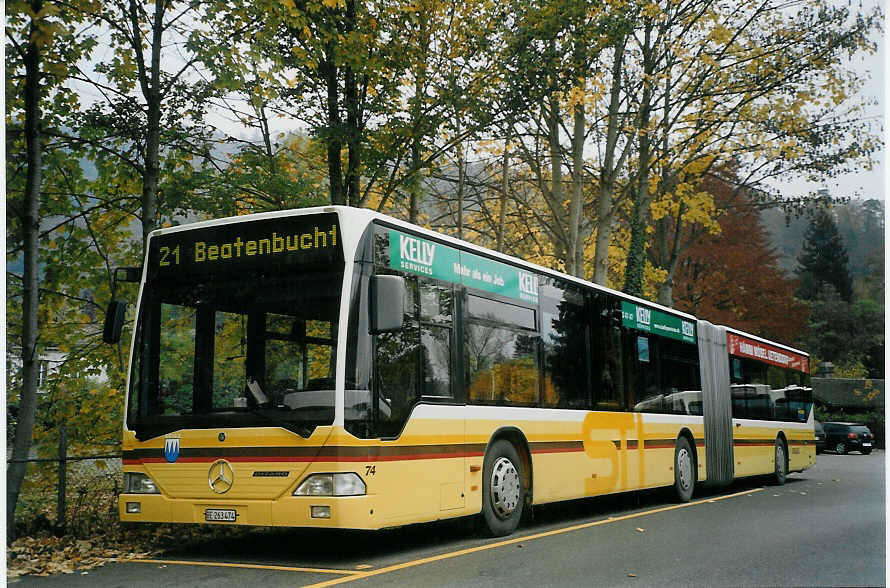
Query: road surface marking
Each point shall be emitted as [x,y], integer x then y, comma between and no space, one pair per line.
[236,565]
[513,541]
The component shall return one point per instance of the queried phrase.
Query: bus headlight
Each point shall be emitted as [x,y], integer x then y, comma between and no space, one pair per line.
[341,484]
[139,484]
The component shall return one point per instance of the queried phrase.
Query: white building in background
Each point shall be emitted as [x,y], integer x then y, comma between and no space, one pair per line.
[50,362]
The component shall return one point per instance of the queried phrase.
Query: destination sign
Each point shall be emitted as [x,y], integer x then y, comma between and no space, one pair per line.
[270,245]
[745,347]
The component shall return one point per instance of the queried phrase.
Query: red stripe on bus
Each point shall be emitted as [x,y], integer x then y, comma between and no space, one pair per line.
[391,457]
[307,459]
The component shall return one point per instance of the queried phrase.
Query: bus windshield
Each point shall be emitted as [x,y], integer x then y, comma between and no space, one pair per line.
[247,345]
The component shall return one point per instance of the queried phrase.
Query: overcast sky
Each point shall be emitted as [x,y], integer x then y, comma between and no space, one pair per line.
[863,184]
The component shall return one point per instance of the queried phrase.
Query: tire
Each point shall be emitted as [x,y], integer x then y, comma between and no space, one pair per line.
[780,473]
[840,448]
[865,451]
[684,470]
[503,490]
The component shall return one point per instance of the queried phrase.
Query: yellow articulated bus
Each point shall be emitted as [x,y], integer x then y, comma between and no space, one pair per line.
[334,367]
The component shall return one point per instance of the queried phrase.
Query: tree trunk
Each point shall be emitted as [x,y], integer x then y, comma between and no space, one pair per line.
[666,288]
[418,125]
[62,489]
[607,176]
[505,185]
[636,254]
[334,130]
[414,182]
[576,238]
[461,186]
[559,241]
[31,276]
[353,141]
[152,90]
[416,152]
[353,121]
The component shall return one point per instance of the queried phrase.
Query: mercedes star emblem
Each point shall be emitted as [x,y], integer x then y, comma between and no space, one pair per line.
[221,476]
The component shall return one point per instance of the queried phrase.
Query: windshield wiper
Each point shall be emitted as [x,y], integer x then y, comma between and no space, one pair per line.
[257,392]
[300,429]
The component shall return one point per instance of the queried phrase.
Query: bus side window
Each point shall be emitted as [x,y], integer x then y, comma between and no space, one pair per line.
[501,353]
[436,339]
[436,361]
[564,335]
[739,410]
[679,376]
[737,371]
[607,360]
[641,380]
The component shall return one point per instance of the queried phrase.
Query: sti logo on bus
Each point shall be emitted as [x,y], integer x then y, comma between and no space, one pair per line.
[688,329]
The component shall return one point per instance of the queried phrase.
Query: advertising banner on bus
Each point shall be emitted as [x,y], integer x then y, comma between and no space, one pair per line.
[421,256]
[750,348]
[656,322]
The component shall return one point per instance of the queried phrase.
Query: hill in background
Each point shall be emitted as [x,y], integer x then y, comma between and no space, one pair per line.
[860,222]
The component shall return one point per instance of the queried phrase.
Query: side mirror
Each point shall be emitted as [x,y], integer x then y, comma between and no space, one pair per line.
[114,321]
[387,303]
[117,310]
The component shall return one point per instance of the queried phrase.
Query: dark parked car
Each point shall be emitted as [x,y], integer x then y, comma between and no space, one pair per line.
[844,437]
[820,438]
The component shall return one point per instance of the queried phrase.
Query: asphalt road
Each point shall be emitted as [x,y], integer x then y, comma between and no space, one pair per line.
[825,527]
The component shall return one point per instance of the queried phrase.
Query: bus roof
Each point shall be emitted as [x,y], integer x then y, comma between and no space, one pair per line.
[767,341]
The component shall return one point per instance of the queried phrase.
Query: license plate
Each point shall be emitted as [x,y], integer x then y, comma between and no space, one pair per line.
[220,514]
[866,444]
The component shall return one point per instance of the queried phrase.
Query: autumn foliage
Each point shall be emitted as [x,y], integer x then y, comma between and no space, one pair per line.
[733,278]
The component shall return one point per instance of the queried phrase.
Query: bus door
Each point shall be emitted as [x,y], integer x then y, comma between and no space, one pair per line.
[415,389]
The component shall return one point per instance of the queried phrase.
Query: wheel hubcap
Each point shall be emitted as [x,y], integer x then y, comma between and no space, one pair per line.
[684,468]
[839,448]
[505,487]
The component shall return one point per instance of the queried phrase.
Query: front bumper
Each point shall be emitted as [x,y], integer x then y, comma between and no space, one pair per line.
[353,512]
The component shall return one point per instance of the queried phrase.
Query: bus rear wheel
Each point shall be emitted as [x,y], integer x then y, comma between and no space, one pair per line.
[503,490]
[781,469]
[684,470]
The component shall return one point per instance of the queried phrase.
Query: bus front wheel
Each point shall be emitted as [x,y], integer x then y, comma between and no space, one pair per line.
[503,491]
[684,470]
